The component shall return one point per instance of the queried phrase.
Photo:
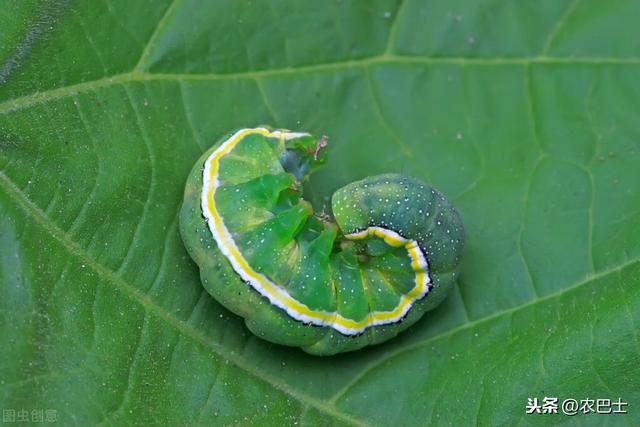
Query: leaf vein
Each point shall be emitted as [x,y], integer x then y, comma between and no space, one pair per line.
[35,98]
[506,312]
[151,307]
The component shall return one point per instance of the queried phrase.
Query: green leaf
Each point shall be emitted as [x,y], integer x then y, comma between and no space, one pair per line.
[525,114]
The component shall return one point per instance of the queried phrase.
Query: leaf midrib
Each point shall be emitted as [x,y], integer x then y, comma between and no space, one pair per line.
[151,307]
[186,330]
[28,100]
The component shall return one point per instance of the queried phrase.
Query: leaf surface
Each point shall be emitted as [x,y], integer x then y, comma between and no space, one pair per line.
[525,114]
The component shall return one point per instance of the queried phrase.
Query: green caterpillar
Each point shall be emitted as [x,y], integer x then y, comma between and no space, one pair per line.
[301,279]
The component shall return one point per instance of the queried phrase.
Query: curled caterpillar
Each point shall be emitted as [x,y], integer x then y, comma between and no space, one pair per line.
[327,284]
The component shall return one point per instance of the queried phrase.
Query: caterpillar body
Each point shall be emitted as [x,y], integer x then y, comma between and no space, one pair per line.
[328,285]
